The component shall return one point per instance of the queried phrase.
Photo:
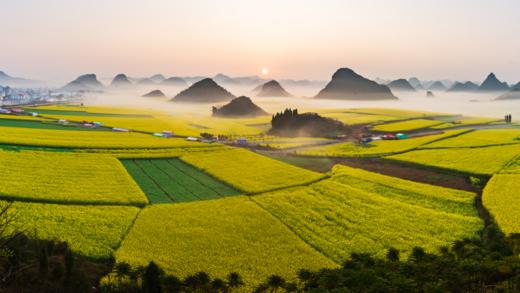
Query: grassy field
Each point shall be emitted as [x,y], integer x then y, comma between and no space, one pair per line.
[339,219]
[478,138]
[171,180]
[249,172]
[406,125]
[501,198]
[485,161]
[218,237]
[93,231]
[377,148]
[67,178]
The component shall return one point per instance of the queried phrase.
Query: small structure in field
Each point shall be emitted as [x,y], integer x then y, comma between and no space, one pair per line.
[118,129]
[402,136]
[191,138]
[241,141]
[167,133]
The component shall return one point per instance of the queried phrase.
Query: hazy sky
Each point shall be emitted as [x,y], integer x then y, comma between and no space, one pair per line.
[457,39]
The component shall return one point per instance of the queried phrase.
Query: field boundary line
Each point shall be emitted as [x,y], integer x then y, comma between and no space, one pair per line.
[69,203]
[123,237]
[324,177]
[292,230]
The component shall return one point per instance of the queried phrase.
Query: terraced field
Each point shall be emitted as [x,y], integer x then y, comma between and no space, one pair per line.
[171,180]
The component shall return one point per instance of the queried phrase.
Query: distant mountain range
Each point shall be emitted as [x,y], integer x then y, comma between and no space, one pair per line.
[7,80]
[348,85]
[467,86]
[89,82]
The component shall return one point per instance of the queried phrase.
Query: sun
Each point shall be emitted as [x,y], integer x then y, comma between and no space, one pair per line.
[265,71]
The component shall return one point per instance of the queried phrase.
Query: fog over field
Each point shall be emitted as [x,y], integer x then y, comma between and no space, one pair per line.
[469,104]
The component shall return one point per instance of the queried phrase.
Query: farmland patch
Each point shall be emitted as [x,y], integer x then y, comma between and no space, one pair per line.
[171,180]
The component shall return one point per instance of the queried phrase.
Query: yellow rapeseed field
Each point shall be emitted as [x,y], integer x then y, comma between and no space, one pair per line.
[218,237]
[67,178]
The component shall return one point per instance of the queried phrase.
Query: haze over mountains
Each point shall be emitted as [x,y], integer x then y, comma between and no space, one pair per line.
[271,89]
[348,85]
[204,91]
[239,107]
[345,85]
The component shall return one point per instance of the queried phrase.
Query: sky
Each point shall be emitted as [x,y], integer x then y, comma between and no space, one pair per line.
[301,39]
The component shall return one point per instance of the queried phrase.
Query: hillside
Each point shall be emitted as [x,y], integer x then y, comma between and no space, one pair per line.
[348,85]
[239,107]
[174,81]
[492,84]
[86,82]
[416,83]
[204,91]
[401,85]
[121,80]
[437,86]
[468,86]
[154,94]
[271,89]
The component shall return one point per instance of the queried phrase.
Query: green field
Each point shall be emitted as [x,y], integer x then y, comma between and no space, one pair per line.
[218,237]
[171,180]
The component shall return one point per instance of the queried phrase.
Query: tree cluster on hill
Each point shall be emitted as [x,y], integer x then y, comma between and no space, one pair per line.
[291,123]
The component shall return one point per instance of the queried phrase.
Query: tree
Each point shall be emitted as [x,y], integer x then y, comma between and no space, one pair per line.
[44,261]
[418,254]
[152,279]
[275,282]
[234,280]
[392,254]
